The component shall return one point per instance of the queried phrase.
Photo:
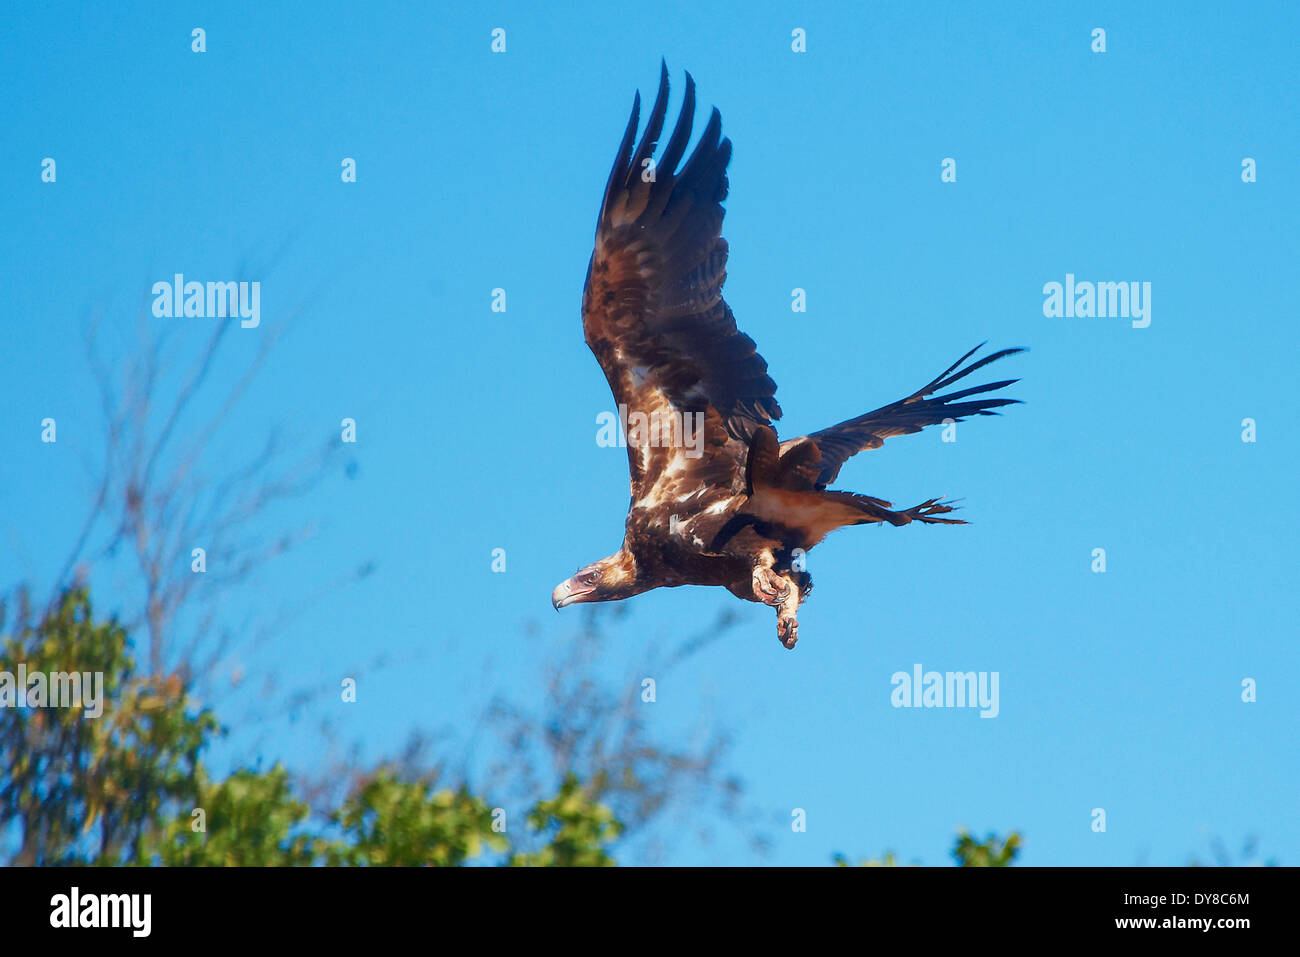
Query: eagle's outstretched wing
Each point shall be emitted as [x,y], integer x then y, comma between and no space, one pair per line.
[841,442]
[652,308]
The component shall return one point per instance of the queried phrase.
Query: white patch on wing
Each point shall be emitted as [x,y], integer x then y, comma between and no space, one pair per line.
[653,497]
[698,491]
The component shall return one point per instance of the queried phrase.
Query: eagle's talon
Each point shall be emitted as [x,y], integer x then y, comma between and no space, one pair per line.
[769,587]
[787,631]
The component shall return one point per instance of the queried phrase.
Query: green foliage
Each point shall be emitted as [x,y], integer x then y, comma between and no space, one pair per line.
[84,789]
[887,861]
[992,853]
[127,786]
[393,822]
[246,820]
[578,828]
[967,852]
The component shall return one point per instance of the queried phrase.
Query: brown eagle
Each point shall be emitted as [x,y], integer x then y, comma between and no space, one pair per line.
[717,499]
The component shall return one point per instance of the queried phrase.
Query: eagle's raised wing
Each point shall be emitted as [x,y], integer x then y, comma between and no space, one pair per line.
[841,442]
[652,309]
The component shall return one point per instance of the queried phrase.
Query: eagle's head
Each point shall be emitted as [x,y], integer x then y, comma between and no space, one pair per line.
[609,579]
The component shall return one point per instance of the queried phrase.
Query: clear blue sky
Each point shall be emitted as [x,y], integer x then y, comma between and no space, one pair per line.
[477,429]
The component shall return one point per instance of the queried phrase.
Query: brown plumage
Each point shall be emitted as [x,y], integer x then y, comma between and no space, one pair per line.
[717,499]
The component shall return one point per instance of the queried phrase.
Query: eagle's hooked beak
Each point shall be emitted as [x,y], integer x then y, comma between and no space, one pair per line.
[564,594]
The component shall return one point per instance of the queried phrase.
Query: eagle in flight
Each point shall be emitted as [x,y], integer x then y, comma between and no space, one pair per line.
[717,498]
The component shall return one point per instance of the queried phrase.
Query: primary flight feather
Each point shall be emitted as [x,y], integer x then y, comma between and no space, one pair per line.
[717,499]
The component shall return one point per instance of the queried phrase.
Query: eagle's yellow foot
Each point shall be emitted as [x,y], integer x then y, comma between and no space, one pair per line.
[787,630]
[769,587]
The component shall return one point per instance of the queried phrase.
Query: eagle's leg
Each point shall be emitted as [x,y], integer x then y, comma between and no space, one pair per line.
[781,592]
[787,625]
